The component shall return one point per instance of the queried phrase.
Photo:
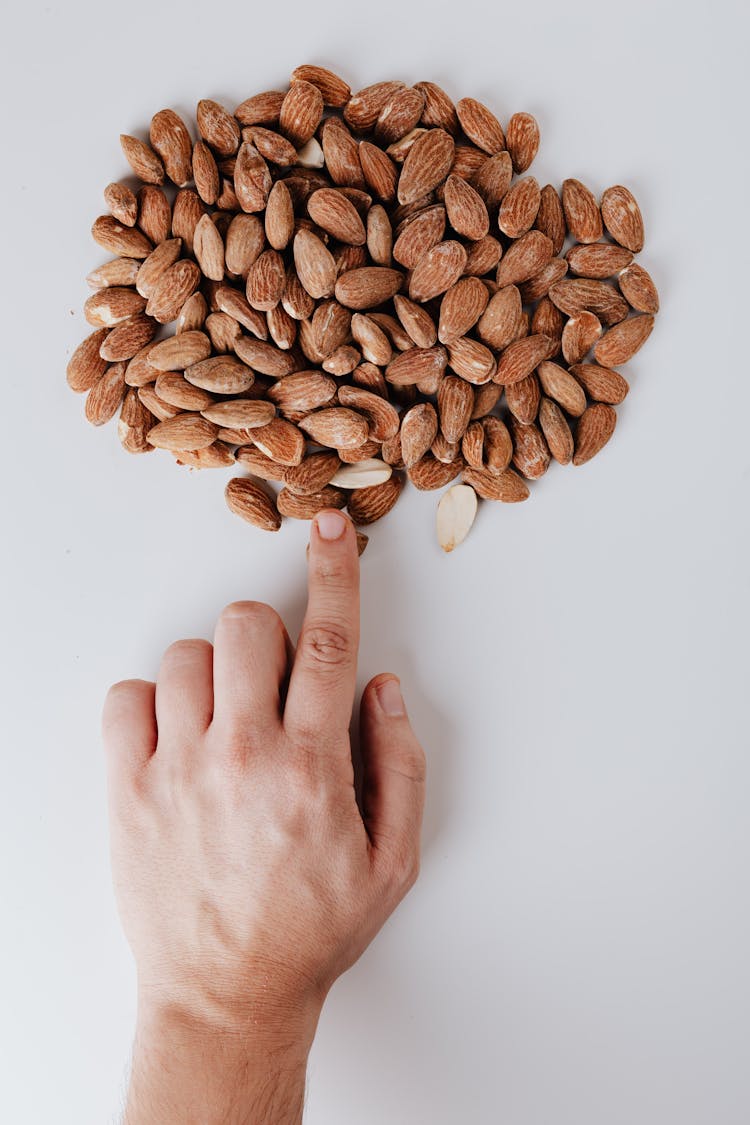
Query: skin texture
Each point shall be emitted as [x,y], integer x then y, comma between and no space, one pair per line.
[247,878]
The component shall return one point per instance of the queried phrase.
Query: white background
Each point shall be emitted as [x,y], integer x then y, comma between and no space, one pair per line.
[576,950]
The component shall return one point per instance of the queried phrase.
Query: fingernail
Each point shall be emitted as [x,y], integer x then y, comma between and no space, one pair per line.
[331,525]
[389,698]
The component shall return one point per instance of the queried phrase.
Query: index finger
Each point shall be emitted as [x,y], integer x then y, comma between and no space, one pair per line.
[321,689]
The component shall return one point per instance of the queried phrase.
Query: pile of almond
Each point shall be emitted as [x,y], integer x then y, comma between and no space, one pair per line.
[360,288]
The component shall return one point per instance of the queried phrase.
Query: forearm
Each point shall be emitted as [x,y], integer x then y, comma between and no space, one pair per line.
[192,1071]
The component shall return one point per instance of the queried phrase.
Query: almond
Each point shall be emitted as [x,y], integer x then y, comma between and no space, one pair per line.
[595,428]
[556,431]
[379,171]
[498,444]
[523,399]
[252,178]
[122,203]
[480,125]
[550,219]
[638,289]
[548,321]
[506,486]
[364,107]
[530,453]
[579,336]
[120,271]
[471,360]
[358,454]
[622,217]
[372,339]
[415,365]
[261,109]
[336,426]
[306,507]
[217,127]
[416,321]
[301,112]
[429,474]
[142,159]
[524,258]
[482,256]
[334,90]
[455,403]
[240,413]
[379,236]
[465,209]
[295,298]
[486,399]
[139,372]
[104,398]
[116,238]
[315,266]
[498,324]
[419,233]
[331,326]
[381,415]
[259,464]
[272,146]
[540,284]
[460,309]
[280,440]
[363,474]
[208,246]
[171,140]
[522,139]
[366,505]
[160,409]
[266,358]
[312,474]
[223,332]
[439,111]
[205,173]
[266,281]
[187,209]
[427,164]
[173,388]
[112,306]
[248,500]
[223,375]
[399,115]
[563,387]
[155,266]
[419,427]
[234,304]
[437,270]
[520,358]
[332,211]
[582,214]
[342,361]
[368,287]
[598,260]
[620,343]
[303,391]
[493,179]
[600,383]
[456,512]
[186,431]
[127,338]
[341,154]
[519,208]
[244,243]
[579,295]
[218,455]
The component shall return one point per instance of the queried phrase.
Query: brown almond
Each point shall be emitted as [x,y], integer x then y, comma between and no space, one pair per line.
[220,375]
[208,246]
[242,413]
[419,234]
[122,203]
[272,146]
[559,384]
[482,256]
[116,238]
[127,338]
[399,115]
[139,372]
[531,455]
[547,320]
[519,208]
[244,243]
[523,399]
[506,486]
[172,289]
[218,455]
[180,352]
[522,139]
[550,218]
[582,215]
[86,365]
[336,426]
[157,406]
[315,265]
[173,388]
[579,295]
[258,463]
[480,125]
[248,500]
[266,281]
[261,109]
[119,271]
[252,179]
[540,284]
[280,440]
[342,361]
[341,154]
[112,306]
[579,336]
[301,112]
[379,235]
[279,217]
[498,325]
[521,358]
[154,213]
[416,321]
[364,107]
[493,179]
[460,309]
[265,358]
[303,391]
[217,127]
[622,217]
[455,399]
[486,399]
[465,209]
[556,431]
[205,173]
[498,444]
[471,360]
[598,260]
[427,164]
[156,264]
[379,171]
[312,474]
[638,289]
[621,342]
[437,270]
[142,159]
[187,210]
[524,258]
[334,90]
[368,287]
[171,140]
[419,427]
[595,428]
[415,365]
[104,399]
[331,326]
[333,212]
[366,505]
[186,431]
[600,383]
[236,305]
[374,343]
[306,507]
[429,474]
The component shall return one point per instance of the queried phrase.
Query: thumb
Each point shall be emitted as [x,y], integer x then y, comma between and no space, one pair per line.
[394,780]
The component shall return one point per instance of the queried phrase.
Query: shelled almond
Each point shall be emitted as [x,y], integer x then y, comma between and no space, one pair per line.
[338,291]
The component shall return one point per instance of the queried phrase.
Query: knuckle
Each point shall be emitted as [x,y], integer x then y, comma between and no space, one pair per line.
[327,646]
[413,763]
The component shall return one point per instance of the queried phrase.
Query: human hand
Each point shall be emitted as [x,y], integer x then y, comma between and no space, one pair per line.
[246,877]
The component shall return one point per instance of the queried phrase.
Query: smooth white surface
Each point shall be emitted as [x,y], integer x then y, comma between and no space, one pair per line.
[576,949]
